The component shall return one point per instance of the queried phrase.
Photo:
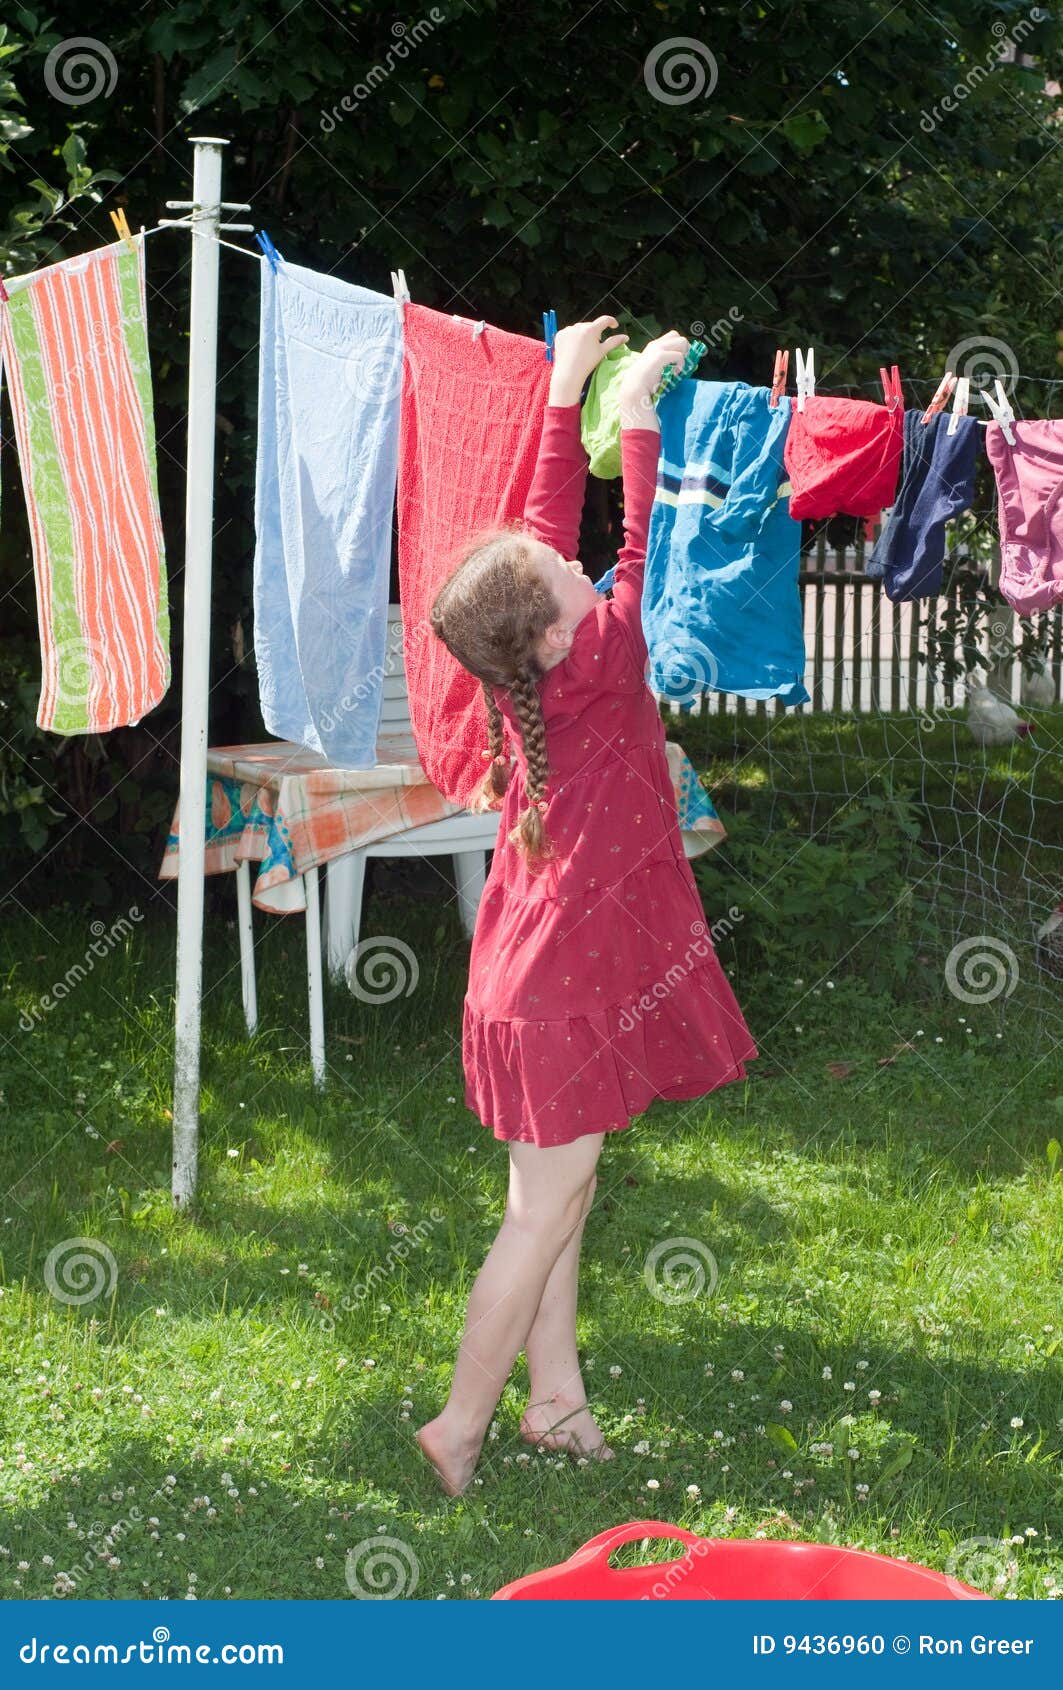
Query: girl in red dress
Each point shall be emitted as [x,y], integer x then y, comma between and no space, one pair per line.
[593,984]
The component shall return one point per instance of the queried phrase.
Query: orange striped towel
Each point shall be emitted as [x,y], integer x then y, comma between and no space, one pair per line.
[73,342]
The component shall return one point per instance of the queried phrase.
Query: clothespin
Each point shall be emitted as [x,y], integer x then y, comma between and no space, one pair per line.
[550,331]
[5,297]
[122,229]
[268,249]
[478,329]
[891,386]
[944,388]
[806,376]
[400,290]
[960,403]
[779,377]
[1000,409]
[673,376]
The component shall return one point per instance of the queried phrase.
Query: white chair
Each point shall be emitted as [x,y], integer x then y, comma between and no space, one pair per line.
[464,836]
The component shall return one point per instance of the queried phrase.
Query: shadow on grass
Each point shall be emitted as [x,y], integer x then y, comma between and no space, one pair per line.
[336,1491]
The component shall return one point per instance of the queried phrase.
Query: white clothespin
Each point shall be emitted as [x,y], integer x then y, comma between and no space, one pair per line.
[400,290]
[1000,409]
[806,376]
[478,329]
[960,401]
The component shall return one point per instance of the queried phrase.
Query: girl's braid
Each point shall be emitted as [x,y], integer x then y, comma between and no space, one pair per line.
[497,777]
[529,834]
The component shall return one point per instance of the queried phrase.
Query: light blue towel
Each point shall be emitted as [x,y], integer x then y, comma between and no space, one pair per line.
[330,369]
[721,609]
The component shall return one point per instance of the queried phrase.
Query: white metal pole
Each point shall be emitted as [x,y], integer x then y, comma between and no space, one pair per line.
[199,522]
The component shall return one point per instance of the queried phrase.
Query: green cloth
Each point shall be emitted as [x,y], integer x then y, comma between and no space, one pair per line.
[600,420]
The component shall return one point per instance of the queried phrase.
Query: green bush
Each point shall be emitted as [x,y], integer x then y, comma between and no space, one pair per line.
[811,901]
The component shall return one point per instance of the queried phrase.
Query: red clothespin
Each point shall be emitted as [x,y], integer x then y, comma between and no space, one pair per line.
[4,295]
[779,377]
[891,386]
[944,388]
[122,229]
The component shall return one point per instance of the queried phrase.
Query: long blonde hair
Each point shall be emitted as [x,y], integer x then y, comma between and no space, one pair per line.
[491,614]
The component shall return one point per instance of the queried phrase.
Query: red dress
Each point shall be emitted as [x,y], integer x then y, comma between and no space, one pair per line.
[593,984]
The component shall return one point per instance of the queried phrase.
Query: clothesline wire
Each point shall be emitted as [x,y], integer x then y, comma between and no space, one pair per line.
[840,388]
[202,234]
[931,381]
[913,381]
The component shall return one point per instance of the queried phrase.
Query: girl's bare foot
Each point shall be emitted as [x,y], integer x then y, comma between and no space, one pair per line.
[453,1457]
[569,1427]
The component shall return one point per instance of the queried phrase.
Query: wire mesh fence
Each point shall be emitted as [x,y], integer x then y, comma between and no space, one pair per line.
[935,841]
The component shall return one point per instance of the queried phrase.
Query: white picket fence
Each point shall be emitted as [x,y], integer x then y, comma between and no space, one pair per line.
[862,650]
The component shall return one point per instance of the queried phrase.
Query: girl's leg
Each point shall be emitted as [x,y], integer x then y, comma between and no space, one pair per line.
[557,1414]
[548,1191]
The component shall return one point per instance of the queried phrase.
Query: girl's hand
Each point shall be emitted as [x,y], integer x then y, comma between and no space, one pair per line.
[641,379]
[578,350]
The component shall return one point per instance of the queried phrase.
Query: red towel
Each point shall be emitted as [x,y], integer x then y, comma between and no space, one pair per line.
[472,414]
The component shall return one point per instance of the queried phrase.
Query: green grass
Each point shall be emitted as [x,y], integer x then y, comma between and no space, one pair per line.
[897,1230]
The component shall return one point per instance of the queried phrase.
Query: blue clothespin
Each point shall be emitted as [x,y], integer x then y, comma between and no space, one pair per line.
[268,249]
[605,585]
[550,331]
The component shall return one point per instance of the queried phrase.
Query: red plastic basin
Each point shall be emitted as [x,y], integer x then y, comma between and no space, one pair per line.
[730,1569]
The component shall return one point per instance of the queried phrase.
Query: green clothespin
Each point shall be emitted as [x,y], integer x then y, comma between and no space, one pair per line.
[672,376]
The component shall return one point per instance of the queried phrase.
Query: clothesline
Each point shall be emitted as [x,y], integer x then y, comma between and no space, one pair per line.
[842,450]
[843,387]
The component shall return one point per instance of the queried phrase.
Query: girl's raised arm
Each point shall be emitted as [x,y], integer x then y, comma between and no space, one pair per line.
[640,439]
[555,502]
[554,505]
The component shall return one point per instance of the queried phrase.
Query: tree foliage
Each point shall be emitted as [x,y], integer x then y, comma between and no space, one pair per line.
[876,180]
